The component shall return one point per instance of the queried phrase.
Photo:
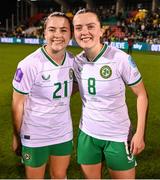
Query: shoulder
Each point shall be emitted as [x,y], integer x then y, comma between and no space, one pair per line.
[32,59]
[81,56]
[69,55]
[116,54]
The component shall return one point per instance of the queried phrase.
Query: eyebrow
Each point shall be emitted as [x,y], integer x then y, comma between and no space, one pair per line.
[85,24]
[52,27]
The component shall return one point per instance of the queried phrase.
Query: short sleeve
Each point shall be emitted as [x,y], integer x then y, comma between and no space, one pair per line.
[24,77]
[129,71]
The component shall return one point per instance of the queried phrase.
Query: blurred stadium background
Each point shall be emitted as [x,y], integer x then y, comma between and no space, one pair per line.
[121,19]
[139,20]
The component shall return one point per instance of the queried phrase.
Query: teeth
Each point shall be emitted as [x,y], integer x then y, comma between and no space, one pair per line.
[58,42]
[85,39]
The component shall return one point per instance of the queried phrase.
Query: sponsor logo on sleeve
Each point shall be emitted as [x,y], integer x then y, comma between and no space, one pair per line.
[18,75]
[131,62]
[136,74]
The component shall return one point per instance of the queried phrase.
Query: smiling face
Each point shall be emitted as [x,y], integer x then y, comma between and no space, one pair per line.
[87,30]
[57,33]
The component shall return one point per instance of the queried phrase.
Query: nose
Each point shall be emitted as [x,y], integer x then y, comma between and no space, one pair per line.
[84,30]
[57,33]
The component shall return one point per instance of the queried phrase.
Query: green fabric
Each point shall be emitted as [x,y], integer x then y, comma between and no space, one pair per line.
[38,156]
[93,151]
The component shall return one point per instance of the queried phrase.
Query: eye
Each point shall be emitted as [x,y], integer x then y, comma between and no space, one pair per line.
[78,28]
[64,30]
[51,30]
[90,27]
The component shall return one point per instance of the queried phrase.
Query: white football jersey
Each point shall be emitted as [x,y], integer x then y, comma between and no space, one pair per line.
[102,88]
[48,87]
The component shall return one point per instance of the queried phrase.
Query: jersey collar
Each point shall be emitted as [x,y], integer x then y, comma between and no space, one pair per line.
[100,53]
[50,59]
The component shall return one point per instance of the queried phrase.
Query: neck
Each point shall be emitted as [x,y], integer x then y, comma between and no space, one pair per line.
[57,56]
[93,52]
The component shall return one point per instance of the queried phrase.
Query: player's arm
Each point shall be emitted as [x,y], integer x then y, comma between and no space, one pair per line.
[18,100]
[137,143]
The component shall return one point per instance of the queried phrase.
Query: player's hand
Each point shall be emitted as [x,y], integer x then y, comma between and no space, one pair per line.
[16,145]
[137,144]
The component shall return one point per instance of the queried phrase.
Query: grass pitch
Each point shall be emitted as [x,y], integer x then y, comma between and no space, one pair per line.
[148,160]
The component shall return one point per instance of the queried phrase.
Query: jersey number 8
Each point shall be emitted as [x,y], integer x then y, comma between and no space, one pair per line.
[91,86]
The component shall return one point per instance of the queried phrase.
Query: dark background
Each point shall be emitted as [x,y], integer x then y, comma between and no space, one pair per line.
[7,7]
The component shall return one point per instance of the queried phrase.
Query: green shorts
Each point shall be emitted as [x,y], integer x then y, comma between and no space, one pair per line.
[93,151]
[37,156]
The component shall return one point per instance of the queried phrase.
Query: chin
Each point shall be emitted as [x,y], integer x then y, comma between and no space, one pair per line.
[86,46]
[57,48]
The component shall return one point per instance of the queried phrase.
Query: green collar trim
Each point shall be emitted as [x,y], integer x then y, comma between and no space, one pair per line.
[50,59]
[100,54]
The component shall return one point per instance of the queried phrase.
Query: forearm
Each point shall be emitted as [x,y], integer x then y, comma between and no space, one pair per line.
[142,105]
[137,142]
[17,112]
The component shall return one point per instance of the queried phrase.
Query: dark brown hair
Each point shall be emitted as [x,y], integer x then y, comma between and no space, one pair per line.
[83,11]
[58,14]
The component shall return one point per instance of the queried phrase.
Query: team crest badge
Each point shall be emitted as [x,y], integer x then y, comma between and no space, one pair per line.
[46,77]
[106,72]
[27,156]
[70,73]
